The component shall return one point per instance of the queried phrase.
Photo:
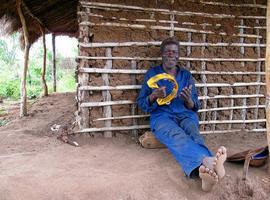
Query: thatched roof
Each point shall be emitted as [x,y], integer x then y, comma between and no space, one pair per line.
[58,16]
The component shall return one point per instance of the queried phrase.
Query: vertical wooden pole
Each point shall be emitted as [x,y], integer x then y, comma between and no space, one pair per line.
[267,78]
[204,80]
[189,49]
[231,111]
[172,25]
[258,69]
[242,51]
[54,63]
[23,104]
[43,73]
[134,107]
[107,110]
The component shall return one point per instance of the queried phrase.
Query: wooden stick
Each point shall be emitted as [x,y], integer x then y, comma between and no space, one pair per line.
[204,80]
[186,13]
[124,128]
[163,11]
[180,59]
[124,19]
[233,96]
[233,121]
[171,25]
[118,128]
[112,71]
[228,84]
[232,131]
[258,69]
[157,43]
[202,110]
[125,102]
[166,21]
[54,63]
[232,105]
[250,27]
[243,112]
[43,73]
[134,107]
[141,26]
[23,104]
[233,5]
[122,117]
[108,103]
[227,73]
[107,111]
[136,87]
[127,71]
[118,87]
[189,35]
[242,49]
[231,108]
[214,116]
[251,17]
[267,79]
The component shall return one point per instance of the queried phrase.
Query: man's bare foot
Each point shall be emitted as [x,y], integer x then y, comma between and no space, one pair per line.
[209,178]
[219,160]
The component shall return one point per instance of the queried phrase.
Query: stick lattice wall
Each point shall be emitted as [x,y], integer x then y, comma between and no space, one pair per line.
[118,43]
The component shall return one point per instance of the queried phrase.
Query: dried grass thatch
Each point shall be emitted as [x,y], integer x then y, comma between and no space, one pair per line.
[57,16]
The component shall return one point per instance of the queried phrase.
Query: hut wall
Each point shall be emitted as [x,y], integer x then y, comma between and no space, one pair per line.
[222,44]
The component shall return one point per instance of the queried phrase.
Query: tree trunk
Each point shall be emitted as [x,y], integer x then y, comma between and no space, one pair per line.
[23,105]
[54,63]
[43,79]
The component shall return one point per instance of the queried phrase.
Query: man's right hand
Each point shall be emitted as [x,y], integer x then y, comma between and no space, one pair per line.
[157,93]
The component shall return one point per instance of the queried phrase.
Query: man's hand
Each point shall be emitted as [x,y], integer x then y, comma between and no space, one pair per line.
[186,95]
[157,93]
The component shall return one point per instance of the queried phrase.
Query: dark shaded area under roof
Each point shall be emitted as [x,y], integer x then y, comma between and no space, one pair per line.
[58,16]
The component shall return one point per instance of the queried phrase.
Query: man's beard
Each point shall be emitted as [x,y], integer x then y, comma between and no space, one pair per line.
[170,62]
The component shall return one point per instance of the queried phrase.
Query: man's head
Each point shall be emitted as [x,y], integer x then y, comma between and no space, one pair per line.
[170,40]
[169,52]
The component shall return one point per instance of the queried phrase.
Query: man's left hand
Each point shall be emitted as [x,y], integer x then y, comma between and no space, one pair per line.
[186,95]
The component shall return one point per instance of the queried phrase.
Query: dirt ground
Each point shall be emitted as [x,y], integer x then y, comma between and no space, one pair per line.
[35,165]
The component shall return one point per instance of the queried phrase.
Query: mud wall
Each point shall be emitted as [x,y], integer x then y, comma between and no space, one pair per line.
[223,45]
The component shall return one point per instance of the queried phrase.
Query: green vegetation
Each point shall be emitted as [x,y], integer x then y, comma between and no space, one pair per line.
[11,62]
[3,122]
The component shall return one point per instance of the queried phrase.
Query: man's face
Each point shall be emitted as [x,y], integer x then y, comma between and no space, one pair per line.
[170,56]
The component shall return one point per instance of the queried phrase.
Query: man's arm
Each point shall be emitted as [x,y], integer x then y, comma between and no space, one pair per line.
[186,94]
[190,96]
[146,99]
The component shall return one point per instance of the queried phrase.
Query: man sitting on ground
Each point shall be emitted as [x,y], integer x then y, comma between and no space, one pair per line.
[175,122]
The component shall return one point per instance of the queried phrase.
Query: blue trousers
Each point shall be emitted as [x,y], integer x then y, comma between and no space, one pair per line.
[183,139]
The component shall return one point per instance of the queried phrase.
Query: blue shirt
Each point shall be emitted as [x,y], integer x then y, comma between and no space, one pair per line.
[177,107]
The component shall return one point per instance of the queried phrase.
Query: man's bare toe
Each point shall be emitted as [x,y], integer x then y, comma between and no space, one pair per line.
[220,158]
[209,178]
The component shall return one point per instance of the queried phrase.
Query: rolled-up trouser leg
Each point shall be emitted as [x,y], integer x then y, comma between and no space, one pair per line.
[188,153]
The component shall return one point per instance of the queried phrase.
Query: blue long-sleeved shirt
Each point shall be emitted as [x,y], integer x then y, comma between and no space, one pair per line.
[177,106]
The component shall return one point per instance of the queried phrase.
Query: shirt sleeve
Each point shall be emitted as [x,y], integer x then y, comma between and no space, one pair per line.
[194,95]
[143,98]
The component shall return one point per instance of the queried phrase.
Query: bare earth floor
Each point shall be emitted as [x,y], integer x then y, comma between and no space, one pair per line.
[34,165]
